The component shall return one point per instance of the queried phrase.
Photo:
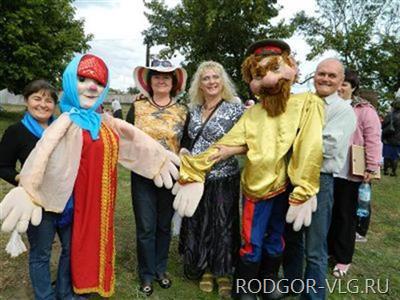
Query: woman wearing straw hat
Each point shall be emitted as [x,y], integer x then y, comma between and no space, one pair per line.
[158,114]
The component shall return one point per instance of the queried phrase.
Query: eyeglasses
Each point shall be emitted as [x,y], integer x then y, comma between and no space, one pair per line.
[163,63]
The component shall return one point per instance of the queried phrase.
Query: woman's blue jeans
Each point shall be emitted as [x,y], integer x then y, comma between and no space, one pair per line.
[153,211]
[41,240]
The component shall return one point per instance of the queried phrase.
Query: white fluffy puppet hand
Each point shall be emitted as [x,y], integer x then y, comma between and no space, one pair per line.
[184,151]
[168,171]
[15,245]
[187,197]
[301,214]
[17,209]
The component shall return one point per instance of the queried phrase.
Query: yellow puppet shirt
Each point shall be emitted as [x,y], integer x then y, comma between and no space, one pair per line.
[282,149]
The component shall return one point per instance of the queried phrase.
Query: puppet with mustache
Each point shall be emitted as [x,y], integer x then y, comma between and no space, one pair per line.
[283,138]
[270,76]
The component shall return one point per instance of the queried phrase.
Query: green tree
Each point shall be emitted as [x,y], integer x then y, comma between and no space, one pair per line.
[133,90]
[220,30]
[37,38]
[366,35]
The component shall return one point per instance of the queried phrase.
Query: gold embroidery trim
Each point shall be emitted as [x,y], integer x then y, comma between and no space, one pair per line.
[107,203]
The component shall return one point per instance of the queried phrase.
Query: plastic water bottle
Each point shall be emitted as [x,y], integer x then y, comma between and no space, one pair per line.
[364,199]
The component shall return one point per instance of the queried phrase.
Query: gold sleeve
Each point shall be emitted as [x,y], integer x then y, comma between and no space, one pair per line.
[306,159]
[195,168]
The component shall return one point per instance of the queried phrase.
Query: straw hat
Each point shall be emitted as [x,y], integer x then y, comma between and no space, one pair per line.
[163,66]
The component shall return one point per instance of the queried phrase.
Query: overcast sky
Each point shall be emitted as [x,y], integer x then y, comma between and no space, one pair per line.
[117,26]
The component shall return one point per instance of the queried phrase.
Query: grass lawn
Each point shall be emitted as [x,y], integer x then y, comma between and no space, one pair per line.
[376,259]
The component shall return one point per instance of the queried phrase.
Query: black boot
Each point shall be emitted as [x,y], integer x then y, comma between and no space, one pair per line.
[268,275]
[242,286]
[394,167]
[386,166]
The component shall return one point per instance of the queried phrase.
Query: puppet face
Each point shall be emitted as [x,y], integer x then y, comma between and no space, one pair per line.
[270,78]
[89,91]
[211,83]
[268,72]
[41,106]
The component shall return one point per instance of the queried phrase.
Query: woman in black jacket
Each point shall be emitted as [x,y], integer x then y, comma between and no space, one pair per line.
[16,144]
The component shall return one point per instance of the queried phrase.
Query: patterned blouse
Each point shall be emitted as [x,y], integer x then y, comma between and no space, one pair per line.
[220,123]
[164,124]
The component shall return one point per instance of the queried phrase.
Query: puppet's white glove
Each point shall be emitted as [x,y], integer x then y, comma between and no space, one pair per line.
[17,209]
[184,151]
[187,197]
[168,171]
[15,245]
[301,214]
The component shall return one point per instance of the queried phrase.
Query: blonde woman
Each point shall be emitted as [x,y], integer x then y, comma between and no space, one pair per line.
[210,240]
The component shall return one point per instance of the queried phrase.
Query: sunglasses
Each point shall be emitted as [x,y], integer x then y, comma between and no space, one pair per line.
[163,63]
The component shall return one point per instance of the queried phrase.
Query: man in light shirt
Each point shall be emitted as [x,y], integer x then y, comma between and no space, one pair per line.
[340,122]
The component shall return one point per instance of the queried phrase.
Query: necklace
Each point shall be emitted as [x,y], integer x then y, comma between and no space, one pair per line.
[203,108]
[161,106]
[206,113]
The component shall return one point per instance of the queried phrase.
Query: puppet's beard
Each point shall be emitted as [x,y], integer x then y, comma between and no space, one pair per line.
[275,100]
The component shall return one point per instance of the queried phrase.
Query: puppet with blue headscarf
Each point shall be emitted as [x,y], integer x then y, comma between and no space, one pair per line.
[77,156]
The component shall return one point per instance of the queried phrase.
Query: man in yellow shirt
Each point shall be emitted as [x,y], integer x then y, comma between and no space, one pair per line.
[283,135]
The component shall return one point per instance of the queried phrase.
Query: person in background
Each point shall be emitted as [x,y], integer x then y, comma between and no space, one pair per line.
[340,123]
[342,232]
[116,108]
[210,239]
[363,222]
[16,144]
[391,138]
[161,117]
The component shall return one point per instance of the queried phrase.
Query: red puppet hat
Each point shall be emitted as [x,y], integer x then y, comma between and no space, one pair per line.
[93,67]
[268,47]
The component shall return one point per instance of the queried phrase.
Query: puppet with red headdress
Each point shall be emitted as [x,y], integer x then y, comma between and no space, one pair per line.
[75,162]
[283,134]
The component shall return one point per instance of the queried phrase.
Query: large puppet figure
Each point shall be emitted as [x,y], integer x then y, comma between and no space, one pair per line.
[283,134]
[77,159]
